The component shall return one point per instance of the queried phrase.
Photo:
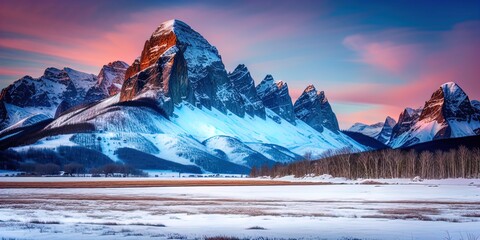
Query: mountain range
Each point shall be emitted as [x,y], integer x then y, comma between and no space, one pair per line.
[449,113]
[175,104]
[177,108]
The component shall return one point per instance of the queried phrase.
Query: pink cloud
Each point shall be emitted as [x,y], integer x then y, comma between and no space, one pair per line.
[96,43]
[386,55]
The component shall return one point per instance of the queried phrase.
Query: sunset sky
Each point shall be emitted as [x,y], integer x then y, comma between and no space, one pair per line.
[372,58]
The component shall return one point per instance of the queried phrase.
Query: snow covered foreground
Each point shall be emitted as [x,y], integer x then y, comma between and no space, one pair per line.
[394,211]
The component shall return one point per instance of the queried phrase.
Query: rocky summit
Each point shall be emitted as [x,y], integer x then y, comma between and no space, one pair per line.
[178,64]
[245,85]
[313,108]
[275,96]
[447,114]
[387,129]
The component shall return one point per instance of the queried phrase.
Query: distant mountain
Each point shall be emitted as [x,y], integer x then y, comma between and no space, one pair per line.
[387,129]
[380,131]
[372,130]
[56,91]
[365,140]
[179,106]
[448,114]
[313,108]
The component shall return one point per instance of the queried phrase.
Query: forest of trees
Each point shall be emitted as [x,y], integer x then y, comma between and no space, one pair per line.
[389,163]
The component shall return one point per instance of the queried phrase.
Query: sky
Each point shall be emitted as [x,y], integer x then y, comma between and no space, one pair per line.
[372,58]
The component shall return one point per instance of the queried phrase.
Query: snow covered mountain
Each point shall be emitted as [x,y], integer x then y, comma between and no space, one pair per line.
[372,130]
[313,108]
[177,64]
[381,131]
[448,114]
[56,91]
[179,105]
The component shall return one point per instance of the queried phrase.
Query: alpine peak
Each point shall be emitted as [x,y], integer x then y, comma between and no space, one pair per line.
[177,64]
[313,108]
[276,97]
[448,113]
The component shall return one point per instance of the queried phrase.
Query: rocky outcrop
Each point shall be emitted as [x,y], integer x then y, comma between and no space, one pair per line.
[407,119]
[313,108]
[244,84]
[110,81]
[48,91]
[387,129]
[275,96]
[177,64]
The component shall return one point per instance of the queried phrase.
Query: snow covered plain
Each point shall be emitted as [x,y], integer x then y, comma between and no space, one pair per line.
[399,210]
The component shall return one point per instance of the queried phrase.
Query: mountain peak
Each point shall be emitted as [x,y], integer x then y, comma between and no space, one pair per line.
[281,84]
[169,26]
[310,88]
[390,121]
[178,64]
[447,103]
[241,67]
[268,78]
[313,108]
[245,85]
[449,87]
[276,97]
[117,64]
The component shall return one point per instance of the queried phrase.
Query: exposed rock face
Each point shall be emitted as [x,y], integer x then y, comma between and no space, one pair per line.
[3,116]
[476,105]
[406,120]
[387,129]
[448,113]
[110,81]
[275,96]
[313,108]
[48,91]
[244,84]
[177,55]
[57,91]
[167,82]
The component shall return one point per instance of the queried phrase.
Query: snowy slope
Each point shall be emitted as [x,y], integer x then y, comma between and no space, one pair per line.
[372,130]
[187,142]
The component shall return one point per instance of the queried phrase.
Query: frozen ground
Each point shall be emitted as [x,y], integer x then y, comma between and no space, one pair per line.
[393,211]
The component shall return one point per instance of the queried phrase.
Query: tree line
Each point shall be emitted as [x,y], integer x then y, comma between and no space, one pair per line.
[77,169]
[389,163]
